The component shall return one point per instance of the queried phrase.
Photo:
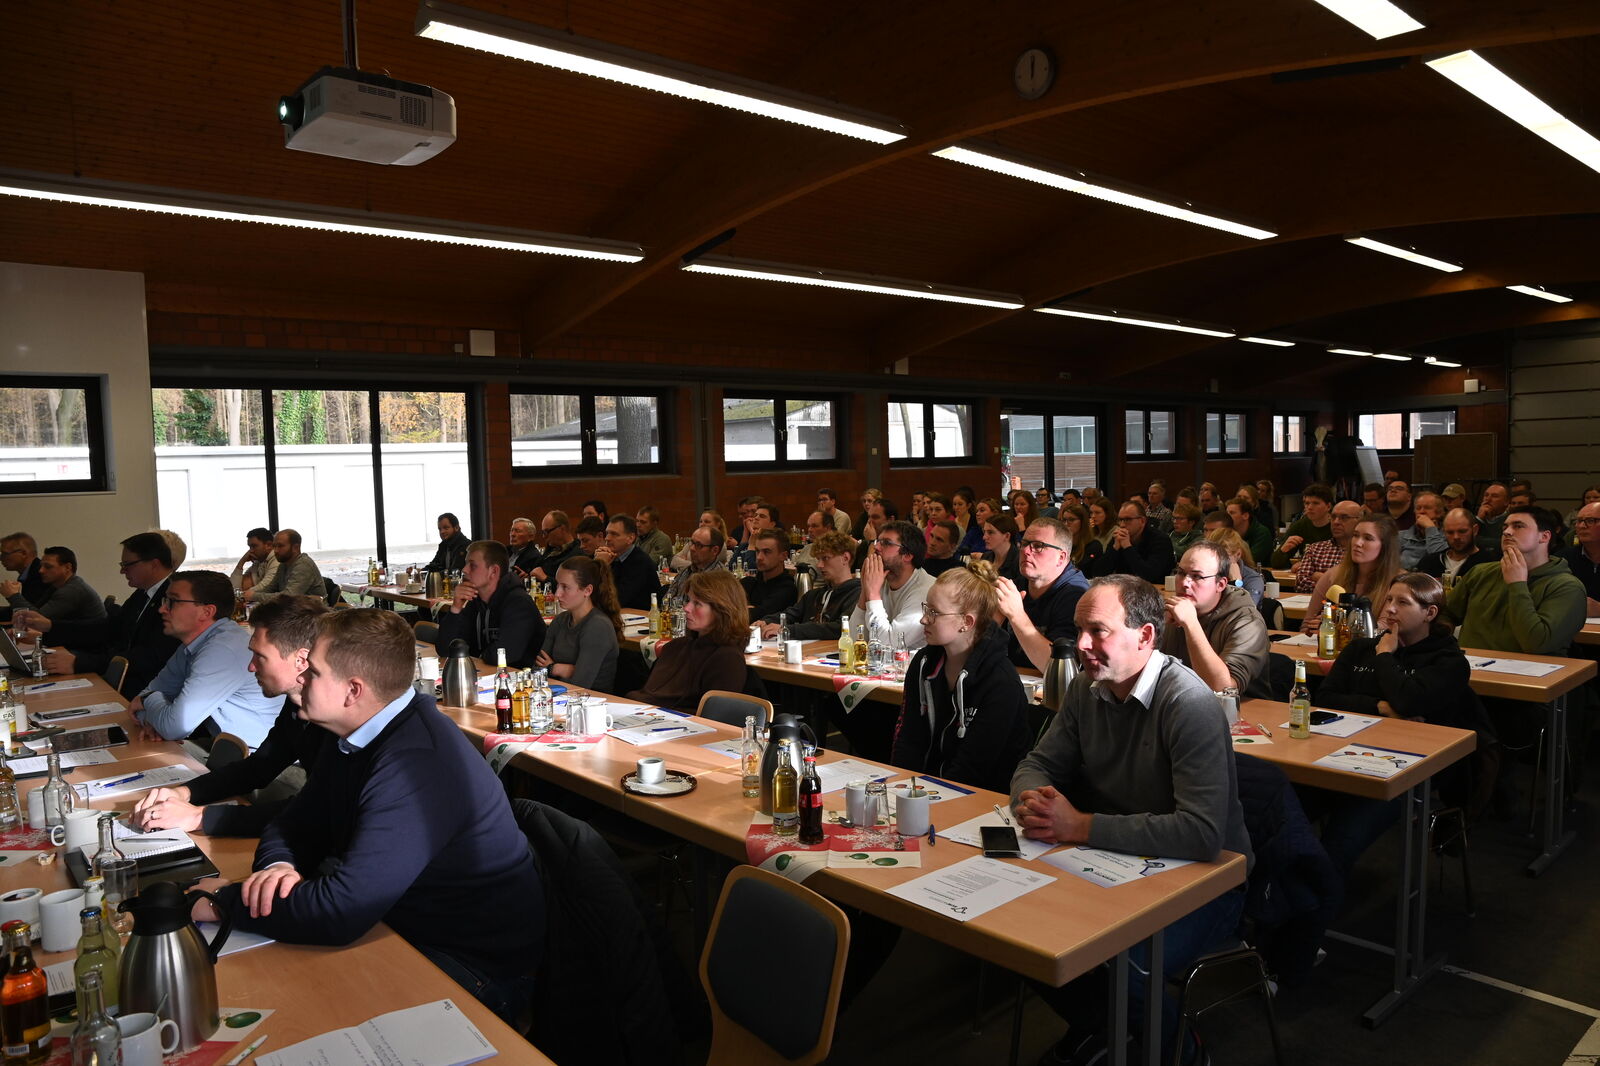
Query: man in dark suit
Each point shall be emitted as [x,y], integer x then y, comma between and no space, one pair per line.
[133,630]
[523,547]
[631,568]
[20,552]
[491,610]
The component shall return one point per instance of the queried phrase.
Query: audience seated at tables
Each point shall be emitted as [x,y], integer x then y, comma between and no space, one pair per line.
[297,573]
[1241,515]
[1425,537]
[1238,570]
[1531,602]
[258,563]
[401,821]
[893,585]
[1000,536]
[771,588]
[631,569]
[1136,548]
[559,545]
[282,633]
[1371,562]
[1041,611]
[710,654]
[1213,627]
[1321,556]
[1185,522]
[580,643]
[490,610]
[1461,552]
[1314,525]
[63,595]
[965,713]
[680,559]
[652,540]
[205,687]
[590,533]
[943,536]
[522,547]
[1584,556]
[821,612]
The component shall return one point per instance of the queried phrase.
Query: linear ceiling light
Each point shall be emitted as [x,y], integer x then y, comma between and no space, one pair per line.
[1126,320]
[1378,18]
[1432,361]
[1543,294]
[232,209]
[579,55]
[1347,351]
[1077,182]
[1392,357]
[1268,340]
[728,267]
[1410,254]
[1480,78]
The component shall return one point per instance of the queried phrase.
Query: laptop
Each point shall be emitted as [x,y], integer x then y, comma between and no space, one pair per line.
[12,656]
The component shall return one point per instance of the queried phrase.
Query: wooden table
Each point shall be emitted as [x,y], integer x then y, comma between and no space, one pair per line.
[1551,691]
[1440,747]
[769,664]
[388,593]
[311,989]
[1589,634]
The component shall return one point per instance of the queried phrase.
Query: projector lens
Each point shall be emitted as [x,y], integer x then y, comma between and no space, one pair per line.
[289,112]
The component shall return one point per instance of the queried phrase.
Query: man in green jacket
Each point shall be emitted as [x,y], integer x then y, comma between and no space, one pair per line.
[1242,516]
[1531,602]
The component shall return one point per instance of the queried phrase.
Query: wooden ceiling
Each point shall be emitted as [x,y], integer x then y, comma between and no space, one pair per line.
[1176,96]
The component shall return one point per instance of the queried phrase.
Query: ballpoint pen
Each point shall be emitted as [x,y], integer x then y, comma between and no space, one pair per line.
[667,728]
[247,1052]
[1264,729]
[120,781]
[1004,817]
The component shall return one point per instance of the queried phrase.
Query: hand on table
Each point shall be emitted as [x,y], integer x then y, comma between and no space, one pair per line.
[32,620]
[261,888]
[1045,814]
[770,630]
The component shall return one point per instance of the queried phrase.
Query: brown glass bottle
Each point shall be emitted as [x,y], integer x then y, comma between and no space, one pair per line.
[24,1017]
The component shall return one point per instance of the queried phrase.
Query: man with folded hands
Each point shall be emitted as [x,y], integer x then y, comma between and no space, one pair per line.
[490,610]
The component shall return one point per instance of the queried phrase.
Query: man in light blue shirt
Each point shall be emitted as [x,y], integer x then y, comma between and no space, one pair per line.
[206,687]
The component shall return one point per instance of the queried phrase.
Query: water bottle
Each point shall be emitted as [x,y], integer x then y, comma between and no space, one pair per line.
[542,715]
[879,650]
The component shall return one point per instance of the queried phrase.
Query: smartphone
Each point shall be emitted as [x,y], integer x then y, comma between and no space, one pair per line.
[1000,842]
[56,716]
[1323,717]
[109,736]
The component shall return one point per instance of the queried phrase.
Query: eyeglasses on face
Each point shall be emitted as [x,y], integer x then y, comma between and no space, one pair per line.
[885,543]
[1193,576]
[929,612]
[131,564]
[1041,545]
[169,601]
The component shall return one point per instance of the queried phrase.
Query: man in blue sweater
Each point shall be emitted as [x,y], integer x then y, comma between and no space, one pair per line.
[402,822]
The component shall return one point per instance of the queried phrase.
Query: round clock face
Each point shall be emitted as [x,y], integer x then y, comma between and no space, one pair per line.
[1035,72]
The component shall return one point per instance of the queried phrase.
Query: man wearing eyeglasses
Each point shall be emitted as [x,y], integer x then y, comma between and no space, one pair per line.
[206,687]
[1044,614]
[705,553]
[1213,625]
[893,583]
[1584,557]
[133,630]
[1137,547]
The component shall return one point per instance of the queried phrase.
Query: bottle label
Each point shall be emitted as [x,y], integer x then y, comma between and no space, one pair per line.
[812,800]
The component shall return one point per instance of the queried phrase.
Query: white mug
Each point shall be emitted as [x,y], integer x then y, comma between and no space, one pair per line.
[36,809]
[141,1039]
[911,811]
[792,652]
[81,827]
[1273,590]
[651,771]
[22,905]
[58,915]
[594,717]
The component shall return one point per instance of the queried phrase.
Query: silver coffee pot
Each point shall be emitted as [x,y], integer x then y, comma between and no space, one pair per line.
[167,967]
[460,676]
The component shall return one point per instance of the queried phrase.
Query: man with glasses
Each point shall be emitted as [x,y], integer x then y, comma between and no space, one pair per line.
[1137,547]
[134,630]
[705,553]
[1324,555]
[1042,614]
[1584,556]
[297,574]
[20,553]
[893,584]
[206,687]
[1213,625]
[559,545]
[1530,603]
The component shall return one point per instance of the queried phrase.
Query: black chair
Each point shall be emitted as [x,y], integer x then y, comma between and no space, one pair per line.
[226,749]
[331,590]
[1271,613]
[1220,978]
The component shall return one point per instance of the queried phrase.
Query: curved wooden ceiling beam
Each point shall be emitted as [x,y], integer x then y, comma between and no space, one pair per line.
[943,71]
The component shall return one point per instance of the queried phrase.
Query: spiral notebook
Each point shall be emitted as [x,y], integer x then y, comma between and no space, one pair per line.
[162,855]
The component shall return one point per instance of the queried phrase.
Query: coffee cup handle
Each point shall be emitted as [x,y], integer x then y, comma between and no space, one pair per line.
[161,1028]
[62,829]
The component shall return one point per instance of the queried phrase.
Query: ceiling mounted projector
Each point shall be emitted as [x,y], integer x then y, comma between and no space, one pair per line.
[353,114]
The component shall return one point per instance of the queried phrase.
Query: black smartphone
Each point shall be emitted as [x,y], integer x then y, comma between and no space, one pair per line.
[56,716]
[1000,842]
[1323,717]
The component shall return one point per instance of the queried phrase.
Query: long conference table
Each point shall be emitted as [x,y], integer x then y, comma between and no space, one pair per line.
[312,990]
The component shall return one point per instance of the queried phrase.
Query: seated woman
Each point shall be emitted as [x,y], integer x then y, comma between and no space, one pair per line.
[580,646]
[710,655]
[1371,563]
[1000,536]
[1240,571]
[965,714]
[1075,517]
[819,614]
[1102,524]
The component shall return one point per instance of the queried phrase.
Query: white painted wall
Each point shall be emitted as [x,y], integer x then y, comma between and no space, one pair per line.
[67,321]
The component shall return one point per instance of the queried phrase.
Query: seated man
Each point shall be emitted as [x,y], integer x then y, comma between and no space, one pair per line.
[1155,508]
[281,638]
[66,597]
[1531,602]
[134,630]
[771,588]
[1044,613]
[1424,537]
[1213,626]
[1461,552]
[258,563]
[652,540]
[631,569]
[822,611]
[832,517]
[490,610]
[1137,760]
[1257,537]
[1323,555]
[1314,524]
[297,573]
[559,546]
[894,585]
[522,548]
[19,552]
[401,821]
[452,553]
[595,509]
[763,516]
[206,687]
[816,526]
[591,534]
[1454,495]
[1397,498]
[1185,519]
[705,553]
[943,536]
[1584,556]
[1492,513]
[1373,499]
[1136,547]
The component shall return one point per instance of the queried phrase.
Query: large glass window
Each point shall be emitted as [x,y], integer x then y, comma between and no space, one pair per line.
[425,456]
[325,474]
[1225,432]
[1397,431]
[1056,451]
[805,434]
[1151,432]
[52,435]
[600,433]
[211,469]
[933,431]
[1291,434]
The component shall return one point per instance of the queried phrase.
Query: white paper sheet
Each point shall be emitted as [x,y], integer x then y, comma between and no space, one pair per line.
[37,764]
[1298,599]
[1111,868]
[971,887]
[433,1034]
[641,736]
[970,834]
[628,715]
[1299,640]
[836,775]
[1369,761]
[54,686]
[1346,725]
[733,749]
[128,784]
[1520,667]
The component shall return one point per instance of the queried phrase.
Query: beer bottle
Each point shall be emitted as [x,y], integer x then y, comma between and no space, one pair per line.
[1300,704]
[785,792]
[24,1019]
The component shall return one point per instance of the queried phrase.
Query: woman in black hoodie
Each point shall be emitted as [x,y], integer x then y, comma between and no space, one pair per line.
[965,714]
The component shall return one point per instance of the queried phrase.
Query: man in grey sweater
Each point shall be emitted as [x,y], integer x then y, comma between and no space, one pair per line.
[297,573]
[65,597]
[1138,760]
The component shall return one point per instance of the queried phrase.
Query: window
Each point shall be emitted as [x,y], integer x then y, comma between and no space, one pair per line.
[1151,432]
[1291,434]
[52,435]
[1225,432]
[931,432]
[211,468]
[1057,450]
[610,433]
[1397,431]
[780,431]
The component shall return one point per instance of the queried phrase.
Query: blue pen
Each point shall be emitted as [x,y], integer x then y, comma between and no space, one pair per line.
[36,688]
[668,728]
[123,781]
[1486,662]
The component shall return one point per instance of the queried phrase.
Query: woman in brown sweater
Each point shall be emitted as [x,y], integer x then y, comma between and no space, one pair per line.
[710,655]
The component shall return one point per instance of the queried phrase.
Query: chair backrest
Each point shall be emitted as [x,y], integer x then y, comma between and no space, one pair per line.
[427,632]
[331,589]
[731,708]
[226,749]
[1271,612]
[758,910]
[116,671]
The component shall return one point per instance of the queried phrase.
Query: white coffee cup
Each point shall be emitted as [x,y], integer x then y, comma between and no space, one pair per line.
[651,771]
[1273,590]
[1172,583]
[430,667]
[911,811]
[792,651]
[22,905]
[592,718]
[81,827]
[58,915]
[36,809]
[141,1038]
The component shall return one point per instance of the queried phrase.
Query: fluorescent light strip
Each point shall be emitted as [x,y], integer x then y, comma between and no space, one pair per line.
[1125,320]
[1379,18]
[1430,360]
[1543,294]
[1404,253]
[1482,79]
[1078,184]
[177,202]
[831,279]
[1392,357]
[1347,351]
[1268,340]
[537,44]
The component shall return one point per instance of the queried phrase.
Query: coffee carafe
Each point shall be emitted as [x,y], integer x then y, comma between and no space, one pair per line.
[782,727]
[167,967]
[460,676]
[1063,668]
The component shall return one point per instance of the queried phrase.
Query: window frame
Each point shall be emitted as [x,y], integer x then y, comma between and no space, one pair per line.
[589,465]
[1148,452]
[1244,433]
[94,422]
[974,453]
[1305,433]
[1407,442]
[780,443]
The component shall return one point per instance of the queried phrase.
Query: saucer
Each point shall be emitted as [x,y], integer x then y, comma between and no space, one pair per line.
[675,783]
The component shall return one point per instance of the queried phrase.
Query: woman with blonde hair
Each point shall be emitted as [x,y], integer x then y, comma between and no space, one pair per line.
[1371,563]
[964,714]
[710,654]
[1241,571]
[580,645]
